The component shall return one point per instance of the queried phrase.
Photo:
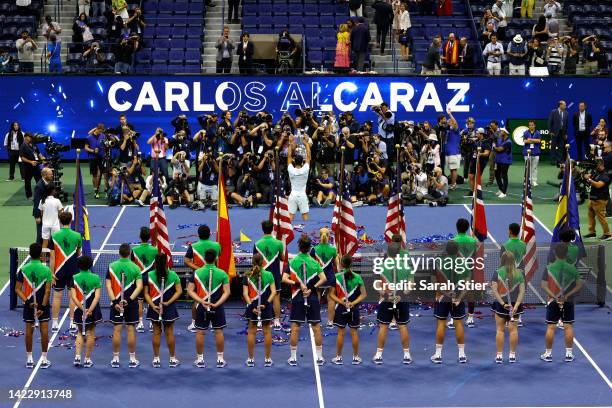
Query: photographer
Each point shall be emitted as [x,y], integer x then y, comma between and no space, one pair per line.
[30,157]
[430,153]
[452,150]
[136,24]
[348,120]
[438,189]
[136,174]
[94,58]
[163,185]
[532,141]
[361,186]
[119,191]
[598,200]
[379,178]
[348,140]
[386,126]
[421,183]
[208,180]
[180,164]
[324,185]
[124,52]
[128,146]
[265,176]
[441,130]
[306,120]
[324,146]
[159,148]
[177,191]
[485,149]
[246,193]
[180,123]
[468,139]
[286,48]
[95,150]
[503,160]
[180,143]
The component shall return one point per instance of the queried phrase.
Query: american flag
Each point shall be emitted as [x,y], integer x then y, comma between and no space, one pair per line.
[530,261]
[479,223]
[395,223]
[343,226]
[157,219]
[283,229]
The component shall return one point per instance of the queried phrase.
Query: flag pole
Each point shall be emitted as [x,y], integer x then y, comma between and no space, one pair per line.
[527,177]
[338,235]
[220,179]
[398,186]
[77,208]
[476,178]
[277,188]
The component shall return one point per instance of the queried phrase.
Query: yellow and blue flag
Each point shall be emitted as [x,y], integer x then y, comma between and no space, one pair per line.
[80,221]
[567,216]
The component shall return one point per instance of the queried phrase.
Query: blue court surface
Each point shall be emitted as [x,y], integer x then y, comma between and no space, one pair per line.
[530,382]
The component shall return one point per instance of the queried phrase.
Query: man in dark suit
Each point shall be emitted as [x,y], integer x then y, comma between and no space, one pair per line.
[557,128]
[39,191]
[583,121]
[383,18]
[245,50]
[360,40]
[30,157]
[466,57]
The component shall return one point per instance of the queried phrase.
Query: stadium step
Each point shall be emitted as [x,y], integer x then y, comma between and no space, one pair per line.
[214,27]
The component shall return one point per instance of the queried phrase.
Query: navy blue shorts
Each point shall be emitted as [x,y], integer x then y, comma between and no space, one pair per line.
[499,310]
[214,319]
[63,280]
[386,313]
[28,313]
[130,314]
[331,280]
[302,314]
[169,314]
[443,309]
[553,313]
[94,318]
[267,313]
[145,282]
[342,318]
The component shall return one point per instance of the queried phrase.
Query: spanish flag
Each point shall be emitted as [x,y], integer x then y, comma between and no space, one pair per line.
[224,233]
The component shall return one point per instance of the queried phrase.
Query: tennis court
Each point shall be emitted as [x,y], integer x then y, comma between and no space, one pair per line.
[530,382]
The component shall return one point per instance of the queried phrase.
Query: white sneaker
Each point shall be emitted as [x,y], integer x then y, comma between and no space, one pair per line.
[498,193]
[560,325]
[502,195]
[534,184]
[140,327]
[191,327]
[450,324]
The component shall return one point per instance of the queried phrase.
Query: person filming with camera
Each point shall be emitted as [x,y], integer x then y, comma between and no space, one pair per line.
[159,148]
[598,199]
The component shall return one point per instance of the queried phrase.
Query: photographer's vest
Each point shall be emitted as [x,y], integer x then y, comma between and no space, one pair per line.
[518,49]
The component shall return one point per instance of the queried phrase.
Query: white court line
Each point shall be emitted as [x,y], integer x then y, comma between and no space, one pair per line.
[31,378]
[316,367]
[582,349]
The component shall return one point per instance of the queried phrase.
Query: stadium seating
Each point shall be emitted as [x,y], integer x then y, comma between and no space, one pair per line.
[317,20]
[13,20]
[591,17]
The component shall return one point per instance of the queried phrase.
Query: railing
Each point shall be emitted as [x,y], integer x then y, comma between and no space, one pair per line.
[475,30]
[393,51]
[222,15]
[43,59]
[303,53]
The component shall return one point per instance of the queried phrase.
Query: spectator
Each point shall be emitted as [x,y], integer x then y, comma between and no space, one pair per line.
[450,54]
[404,41]
[119,8]
[551,7]
[94,58]
[286,47]
[81,33]
[233,15]
[572,55]
[245,54]
[403,17]
[531,147]
[98,8]
[553,26]
[592,54]
[557,129]
[136,24]
[25,52]
[84,7]
[431,64]
[360,40]
[466,57]
[49,27]
[536,54]
[583,121]
[540,30]
[116,29]
[225,50]
[503,160]
[426,7]
[493,53]
[343,50]
[517,51]
[356,8]
[487,18]
[554,56]
[395,4]
[383,18]
[124,52]
[12,144]
[30,157]
[599,197]
[498,11]
[489,30]
[54,53]
[527,7]
[445,8]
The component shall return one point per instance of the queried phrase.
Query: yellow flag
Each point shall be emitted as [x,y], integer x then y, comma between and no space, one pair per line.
[244,237]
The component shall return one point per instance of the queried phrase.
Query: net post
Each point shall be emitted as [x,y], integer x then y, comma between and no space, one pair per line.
[13,265]
[601,276]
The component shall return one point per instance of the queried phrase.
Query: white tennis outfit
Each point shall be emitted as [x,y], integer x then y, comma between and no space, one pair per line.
[298,178]
[50,216]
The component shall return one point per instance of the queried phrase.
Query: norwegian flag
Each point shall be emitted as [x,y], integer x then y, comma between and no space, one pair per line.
[530,261]
[479,223]
[395,223]
[343,226]
[157,219]
[283,229]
